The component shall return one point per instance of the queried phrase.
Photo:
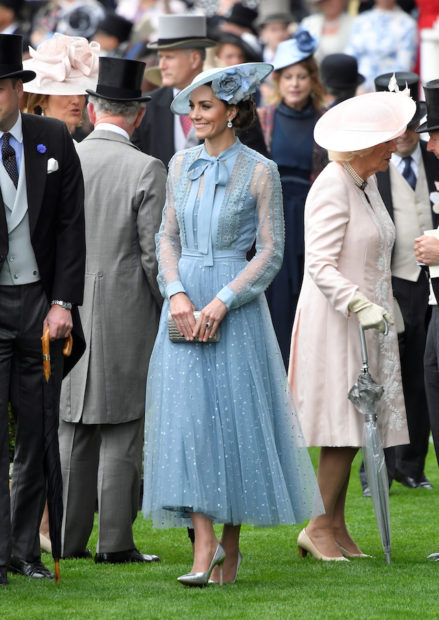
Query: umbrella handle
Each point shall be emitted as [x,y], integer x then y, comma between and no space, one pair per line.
[363,350]
[363,344]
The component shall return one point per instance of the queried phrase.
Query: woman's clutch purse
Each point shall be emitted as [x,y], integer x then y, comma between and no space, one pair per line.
[175,336]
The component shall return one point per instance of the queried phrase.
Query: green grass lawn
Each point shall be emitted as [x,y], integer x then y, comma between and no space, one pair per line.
[273,581]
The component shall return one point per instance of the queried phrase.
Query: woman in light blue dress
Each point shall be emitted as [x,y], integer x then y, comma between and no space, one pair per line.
[223,443]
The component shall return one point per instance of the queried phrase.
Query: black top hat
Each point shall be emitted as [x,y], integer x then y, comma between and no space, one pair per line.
[252,54]
[116,26]
[120,80]
[243,16]
[404,79]
[340,71]
[11,64]
[14,5]
[431,91]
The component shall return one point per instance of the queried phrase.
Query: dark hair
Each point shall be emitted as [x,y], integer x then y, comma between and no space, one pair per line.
[246,114]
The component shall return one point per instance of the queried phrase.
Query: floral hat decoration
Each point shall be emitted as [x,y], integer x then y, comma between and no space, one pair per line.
[230,84]
[301,45]
[63,65]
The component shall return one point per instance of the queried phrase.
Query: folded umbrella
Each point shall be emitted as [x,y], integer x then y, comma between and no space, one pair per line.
[365,394]
[52,464]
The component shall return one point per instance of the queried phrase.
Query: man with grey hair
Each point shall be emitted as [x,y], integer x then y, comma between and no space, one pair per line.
[181,48]
[103,402]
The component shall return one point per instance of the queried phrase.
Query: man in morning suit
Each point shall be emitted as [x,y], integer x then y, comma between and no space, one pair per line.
[427,252]
[181,49]
[405,189]
[42,261]
[103,399]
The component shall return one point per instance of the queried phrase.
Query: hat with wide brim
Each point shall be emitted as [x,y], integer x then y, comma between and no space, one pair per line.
[63,65]
[398,82]
[431,91]
[364,121]
[181,32]
[120,80]
[11,64]
[300,46]
[230,84]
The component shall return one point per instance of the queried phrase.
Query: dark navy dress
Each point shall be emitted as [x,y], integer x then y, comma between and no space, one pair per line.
[292,149]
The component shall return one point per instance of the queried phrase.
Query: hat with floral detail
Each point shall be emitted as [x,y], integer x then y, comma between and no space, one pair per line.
[301,45]
[230,84]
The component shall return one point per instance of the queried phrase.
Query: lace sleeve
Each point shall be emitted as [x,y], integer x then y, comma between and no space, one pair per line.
[260,271]
[168,238]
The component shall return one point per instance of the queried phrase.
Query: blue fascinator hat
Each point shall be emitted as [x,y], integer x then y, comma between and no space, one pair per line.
[230,84]
[301,45]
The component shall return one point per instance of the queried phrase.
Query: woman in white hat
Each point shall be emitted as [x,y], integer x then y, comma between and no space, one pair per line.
[222,440]
[65,67]
[288,126]
[348,241]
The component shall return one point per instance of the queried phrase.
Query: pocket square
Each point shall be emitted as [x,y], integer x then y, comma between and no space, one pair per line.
[52,165]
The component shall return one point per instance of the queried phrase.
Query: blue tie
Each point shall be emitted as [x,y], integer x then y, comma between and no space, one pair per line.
[408,172]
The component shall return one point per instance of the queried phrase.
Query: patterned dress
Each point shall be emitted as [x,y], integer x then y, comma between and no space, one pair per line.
[222,436]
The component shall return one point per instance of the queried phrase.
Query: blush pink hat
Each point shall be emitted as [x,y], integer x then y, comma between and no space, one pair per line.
[63,65]
[364,121]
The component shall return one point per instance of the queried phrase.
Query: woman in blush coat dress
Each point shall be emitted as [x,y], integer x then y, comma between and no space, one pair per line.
[348,239]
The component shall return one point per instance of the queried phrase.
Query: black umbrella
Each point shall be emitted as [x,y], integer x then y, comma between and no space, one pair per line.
[364,394]
[52,464]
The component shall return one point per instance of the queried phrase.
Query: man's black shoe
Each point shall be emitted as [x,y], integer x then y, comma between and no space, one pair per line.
[3,576]
[120,557]
[35,569]
[85,554]
[424,482]
[411,483]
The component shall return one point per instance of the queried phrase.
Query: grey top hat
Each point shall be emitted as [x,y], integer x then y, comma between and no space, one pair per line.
[182,32]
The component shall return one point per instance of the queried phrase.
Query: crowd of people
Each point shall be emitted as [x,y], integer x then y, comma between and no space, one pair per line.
[210,198]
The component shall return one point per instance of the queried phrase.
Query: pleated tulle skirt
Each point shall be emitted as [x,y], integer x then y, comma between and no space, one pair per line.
[222,437]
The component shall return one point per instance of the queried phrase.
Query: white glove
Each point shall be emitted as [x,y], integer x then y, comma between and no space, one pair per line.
[370,315]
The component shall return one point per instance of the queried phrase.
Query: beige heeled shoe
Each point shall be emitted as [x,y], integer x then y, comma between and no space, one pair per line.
[349,554]
[305,545]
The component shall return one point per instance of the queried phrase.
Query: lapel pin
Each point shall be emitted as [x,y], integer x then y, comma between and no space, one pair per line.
[41,148]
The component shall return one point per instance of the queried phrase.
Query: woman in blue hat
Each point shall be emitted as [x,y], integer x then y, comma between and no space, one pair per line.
[288,125]
[222,443]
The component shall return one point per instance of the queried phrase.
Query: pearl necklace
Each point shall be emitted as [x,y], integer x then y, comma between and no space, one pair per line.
[359,182]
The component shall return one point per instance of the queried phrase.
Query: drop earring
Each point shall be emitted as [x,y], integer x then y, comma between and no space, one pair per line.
[229,124]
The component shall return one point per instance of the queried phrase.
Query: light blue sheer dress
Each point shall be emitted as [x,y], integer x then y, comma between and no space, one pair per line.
[222,437]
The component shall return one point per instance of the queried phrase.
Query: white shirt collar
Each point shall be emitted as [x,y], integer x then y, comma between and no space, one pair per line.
[16,131]
[416,156]
[113,128]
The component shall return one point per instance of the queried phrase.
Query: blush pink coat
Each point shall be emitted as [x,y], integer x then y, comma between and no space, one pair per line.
[348,245]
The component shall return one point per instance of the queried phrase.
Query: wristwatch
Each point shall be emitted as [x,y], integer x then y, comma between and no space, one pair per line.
[64,304]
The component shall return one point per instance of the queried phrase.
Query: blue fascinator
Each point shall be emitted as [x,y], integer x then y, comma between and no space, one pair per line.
[230,84]
[301,45]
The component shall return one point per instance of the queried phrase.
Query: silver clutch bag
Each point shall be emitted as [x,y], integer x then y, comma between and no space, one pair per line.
[175,336]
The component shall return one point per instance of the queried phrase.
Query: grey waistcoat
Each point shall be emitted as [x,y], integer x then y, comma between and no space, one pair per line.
[20,266]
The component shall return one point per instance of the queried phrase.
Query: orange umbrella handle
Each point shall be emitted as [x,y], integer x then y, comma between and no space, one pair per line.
[45,341]
[68,345]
